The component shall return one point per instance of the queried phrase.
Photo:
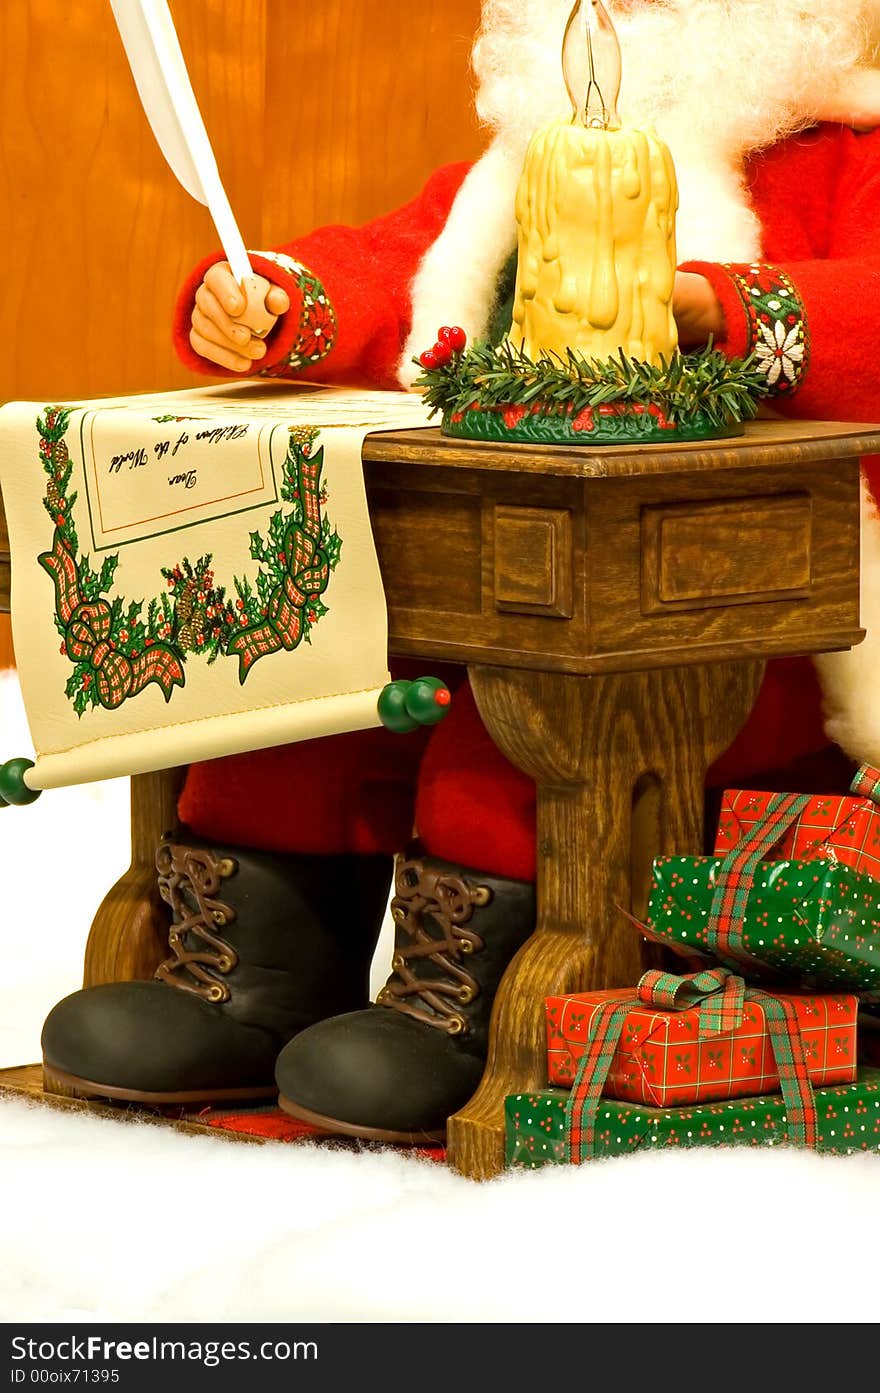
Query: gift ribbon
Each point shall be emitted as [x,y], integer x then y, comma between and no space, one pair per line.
[866,783]
[307,575]
[721,997]
[88,627]
[735,876]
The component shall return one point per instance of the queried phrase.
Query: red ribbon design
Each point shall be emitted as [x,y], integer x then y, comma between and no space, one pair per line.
[307,575]
[87,638]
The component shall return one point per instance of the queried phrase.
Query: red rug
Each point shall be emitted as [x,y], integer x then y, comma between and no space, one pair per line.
[273,1124]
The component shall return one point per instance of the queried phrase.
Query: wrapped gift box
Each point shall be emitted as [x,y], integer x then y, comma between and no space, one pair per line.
[665,1061]
[812,924]
[830,828]
[848,1120]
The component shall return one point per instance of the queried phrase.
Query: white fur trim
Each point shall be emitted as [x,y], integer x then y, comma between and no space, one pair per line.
[851,681]
[715,220]
[456,282]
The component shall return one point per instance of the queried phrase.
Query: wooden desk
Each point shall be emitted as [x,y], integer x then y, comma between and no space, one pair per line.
[615,609]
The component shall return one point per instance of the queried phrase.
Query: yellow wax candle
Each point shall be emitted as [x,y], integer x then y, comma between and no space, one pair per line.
[596,213]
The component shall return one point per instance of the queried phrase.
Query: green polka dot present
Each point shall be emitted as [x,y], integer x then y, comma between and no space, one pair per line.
[538,1130]
[812,924]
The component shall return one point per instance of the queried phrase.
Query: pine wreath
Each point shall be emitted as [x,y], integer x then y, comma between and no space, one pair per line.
[117,649]
[498,392]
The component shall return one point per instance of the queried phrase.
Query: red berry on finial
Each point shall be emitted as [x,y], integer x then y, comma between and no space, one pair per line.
[455,337]
[428,360]
[442,352]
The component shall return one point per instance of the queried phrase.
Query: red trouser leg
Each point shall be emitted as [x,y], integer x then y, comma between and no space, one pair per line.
[362,792]
[346,793]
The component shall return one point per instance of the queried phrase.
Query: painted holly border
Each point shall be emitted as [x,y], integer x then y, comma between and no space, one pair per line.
[117,646]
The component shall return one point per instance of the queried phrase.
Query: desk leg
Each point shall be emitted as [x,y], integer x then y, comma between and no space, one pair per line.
[619,762]
[129,934]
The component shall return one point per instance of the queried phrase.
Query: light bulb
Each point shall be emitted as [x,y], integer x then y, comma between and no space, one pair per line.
[591,65]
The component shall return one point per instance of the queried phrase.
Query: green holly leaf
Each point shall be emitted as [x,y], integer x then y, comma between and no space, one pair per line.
[277,529]
[108,571]
[333,547]
[258,546]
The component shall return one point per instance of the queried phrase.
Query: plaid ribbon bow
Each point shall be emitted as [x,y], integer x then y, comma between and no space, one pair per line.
[735,876]
[721,997]
[307,575]
[87,638]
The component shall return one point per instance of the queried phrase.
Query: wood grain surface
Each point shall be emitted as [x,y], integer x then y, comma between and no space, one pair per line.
[590,744]
[318,113]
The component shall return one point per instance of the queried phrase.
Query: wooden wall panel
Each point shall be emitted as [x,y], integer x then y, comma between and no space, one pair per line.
[368,99]
[319,111]
[98,230]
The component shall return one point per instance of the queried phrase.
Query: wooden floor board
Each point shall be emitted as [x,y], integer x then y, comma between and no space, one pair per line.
[26,1083]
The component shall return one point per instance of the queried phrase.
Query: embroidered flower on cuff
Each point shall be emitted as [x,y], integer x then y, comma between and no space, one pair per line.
[317,323]
[778,331]
[779,353]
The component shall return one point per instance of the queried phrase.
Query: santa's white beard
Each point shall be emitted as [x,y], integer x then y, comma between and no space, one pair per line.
[717,79]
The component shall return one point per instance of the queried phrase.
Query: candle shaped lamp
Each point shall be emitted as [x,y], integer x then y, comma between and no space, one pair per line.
[596,209]
[592,354]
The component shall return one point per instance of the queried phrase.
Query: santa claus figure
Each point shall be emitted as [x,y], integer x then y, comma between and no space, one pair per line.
[767,110]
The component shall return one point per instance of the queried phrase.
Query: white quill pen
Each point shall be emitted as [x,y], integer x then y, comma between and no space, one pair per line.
[158,68]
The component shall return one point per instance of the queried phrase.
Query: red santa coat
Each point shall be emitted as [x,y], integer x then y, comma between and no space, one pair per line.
[808,307]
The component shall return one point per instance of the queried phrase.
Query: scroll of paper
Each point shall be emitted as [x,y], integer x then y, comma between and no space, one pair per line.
[193,573]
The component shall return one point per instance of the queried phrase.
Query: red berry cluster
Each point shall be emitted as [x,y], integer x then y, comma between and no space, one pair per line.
[450,340]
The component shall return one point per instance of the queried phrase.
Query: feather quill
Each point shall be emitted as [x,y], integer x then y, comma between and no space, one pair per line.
[159,70]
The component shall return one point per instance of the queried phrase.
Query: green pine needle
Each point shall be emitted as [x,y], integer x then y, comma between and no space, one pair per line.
[727,390]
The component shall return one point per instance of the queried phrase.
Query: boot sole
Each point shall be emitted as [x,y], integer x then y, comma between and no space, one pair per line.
[350,1129]
[70,1086]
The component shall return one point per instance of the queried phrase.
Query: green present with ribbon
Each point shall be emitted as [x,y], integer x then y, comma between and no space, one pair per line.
[847,1116]
[809,924]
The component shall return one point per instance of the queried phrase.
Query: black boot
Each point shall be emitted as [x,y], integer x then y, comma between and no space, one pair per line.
[398,1070]
[263,944]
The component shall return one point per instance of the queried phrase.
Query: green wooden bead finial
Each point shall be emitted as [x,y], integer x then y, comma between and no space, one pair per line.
[404,706]
[392,708]
[13,789]
[428,700]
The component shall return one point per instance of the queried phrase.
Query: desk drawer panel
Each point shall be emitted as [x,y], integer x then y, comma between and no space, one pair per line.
[739,562]
[430,549]
[696,555]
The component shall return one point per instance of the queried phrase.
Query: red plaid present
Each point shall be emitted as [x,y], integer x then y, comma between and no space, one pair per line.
[662,1060]
[830,828]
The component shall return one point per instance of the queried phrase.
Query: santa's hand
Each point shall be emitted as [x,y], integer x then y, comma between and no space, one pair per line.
[215,333]
[698,314]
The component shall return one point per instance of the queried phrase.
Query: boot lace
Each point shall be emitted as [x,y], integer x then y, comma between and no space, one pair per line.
[187,870]
[450,901]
